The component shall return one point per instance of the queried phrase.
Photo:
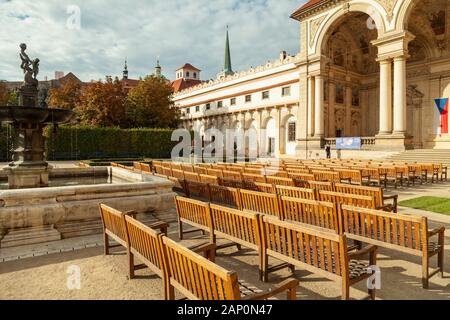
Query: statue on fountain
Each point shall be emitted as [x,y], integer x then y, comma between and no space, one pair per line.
[28,93]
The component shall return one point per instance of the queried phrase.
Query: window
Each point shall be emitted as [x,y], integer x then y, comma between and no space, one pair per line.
[286,91]
[195,75]
[197,108]
[265,95]
[233,101]
[188,110]
[339,93]
[208,106]
[220,104]
[291,132]
[187,74]
[248,98]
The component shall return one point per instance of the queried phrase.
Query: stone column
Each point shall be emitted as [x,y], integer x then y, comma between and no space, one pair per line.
[331,111]
[385,97]
[319,123]
[311,106]
[400,95]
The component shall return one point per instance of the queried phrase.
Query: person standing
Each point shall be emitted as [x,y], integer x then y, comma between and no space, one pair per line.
[328,151]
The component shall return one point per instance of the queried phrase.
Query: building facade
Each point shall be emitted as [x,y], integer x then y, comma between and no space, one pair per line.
[366,68]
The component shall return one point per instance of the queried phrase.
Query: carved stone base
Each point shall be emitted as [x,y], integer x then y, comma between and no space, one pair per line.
[393,142]
[26,177]
[28,96]
[24,236]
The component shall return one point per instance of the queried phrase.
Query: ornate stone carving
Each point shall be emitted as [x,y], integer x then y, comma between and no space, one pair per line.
[389,6]
[313,27]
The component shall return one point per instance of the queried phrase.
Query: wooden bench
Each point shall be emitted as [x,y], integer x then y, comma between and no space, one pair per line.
[278,181]
[353,176]
[145,167]
[316,250]
[199,279]
[294,192]
[259,186]
[209,179]
[321,185]
[224,196]
[261,202]
[191,176]
[376,192]
[196,190]
[179,174]
[348,199]
[114,226]
[326,176]
[235,175]
[253,177]
[400,232]
[187,167]
[194,213]
[312,212]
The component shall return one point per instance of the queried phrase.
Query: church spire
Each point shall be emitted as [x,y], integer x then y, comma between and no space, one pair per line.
[157,72]
[227,69]
[125,70]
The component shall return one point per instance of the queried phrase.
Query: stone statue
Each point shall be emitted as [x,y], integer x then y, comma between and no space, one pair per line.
[30,67]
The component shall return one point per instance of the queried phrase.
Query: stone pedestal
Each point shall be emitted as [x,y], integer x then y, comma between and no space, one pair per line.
[393,142]
[28,96]
[27,177]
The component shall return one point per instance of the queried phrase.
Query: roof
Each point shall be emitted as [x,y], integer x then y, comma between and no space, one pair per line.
[305,7]
[181,84]
[189,66]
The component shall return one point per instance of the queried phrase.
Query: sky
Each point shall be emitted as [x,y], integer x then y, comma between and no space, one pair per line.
[92,38]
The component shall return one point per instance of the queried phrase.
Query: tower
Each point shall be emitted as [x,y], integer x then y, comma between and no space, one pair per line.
[227,68]
[157,71]
[125,71]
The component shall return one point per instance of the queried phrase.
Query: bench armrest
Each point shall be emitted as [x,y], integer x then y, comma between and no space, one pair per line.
[436,231]
[290,285]
[208,249]
[162,226]
[371,250]
[131,213]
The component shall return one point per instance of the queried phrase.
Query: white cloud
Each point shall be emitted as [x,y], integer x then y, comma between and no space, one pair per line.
[178,31]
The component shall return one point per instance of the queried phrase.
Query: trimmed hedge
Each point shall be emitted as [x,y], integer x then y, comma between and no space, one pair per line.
[72,143]
[3,144]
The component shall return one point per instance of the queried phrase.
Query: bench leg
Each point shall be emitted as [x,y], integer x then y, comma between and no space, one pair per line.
[441,255]
[345,292]
[106,243]
[264,274]
[372,293]
[425,272]
[180,230]
[130,264]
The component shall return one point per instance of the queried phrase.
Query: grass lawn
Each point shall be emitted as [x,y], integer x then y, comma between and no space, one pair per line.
[433,204]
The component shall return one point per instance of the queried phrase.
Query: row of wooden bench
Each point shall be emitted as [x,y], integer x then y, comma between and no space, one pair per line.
[400,232]
[179,267]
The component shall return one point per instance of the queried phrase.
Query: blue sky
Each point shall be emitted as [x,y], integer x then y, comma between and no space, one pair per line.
[178,31]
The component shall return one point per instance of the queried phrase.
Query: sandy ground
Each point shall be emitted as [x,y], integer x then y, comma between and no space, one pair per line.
[105,277]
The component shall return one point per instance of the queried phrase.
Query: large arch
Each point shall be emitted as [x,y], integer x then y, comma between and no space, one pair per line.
[370,7]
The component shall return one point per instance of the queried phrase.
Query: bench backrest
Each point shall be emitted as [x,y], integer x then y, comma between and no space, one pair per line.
[200,170]
[187,167]
[145,244]
[196,277]
[253,177]
[197,189]
[315,249]
[167,171]
[330,176]
[209,179]
[259,186]
[225,195]
[375,192]
[409,233]
[113,223]
[191,176]
[159,169]
[236,175]
[179,174]
[311,212]
[146,167]
[215,172]
[348,199]
[294,192]
[194,212]
[237,226]
[280,181]
[266,203]
[321,185]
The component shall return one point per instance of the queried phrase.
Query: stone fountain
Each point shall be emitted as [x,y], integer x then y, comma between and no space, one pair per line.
[29,168]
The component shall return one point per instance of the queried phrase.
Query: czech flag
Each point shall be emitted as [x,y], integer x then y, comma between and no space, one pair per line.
[442,105]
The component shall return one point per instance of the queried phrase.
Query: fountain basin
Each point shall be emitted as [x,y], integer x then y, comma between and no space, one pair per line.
[38,215]
[33,115]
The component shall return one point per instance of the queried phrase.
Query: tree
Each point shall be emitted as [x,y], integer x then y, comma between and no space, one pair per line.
[4,94]
[102,104]
[67,96]
[149,104]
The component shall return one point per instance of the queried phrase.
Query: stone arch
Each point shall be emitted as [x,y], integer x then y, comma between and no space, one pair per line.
[288,147]
[372,8]
[402,18]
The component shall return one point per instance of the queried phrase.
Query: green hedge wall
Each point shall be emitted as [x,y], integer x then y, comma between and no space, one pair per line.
[72,143]
[3,151]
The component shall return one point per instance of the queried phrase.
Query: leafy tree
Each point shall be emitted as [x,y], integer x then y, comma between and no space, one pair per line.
[67,96]
[4,94]
[149,104]
[102,104]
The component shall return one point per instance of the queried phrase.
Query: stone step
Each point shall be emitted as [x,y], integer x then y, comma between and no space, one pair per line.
[24,236]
